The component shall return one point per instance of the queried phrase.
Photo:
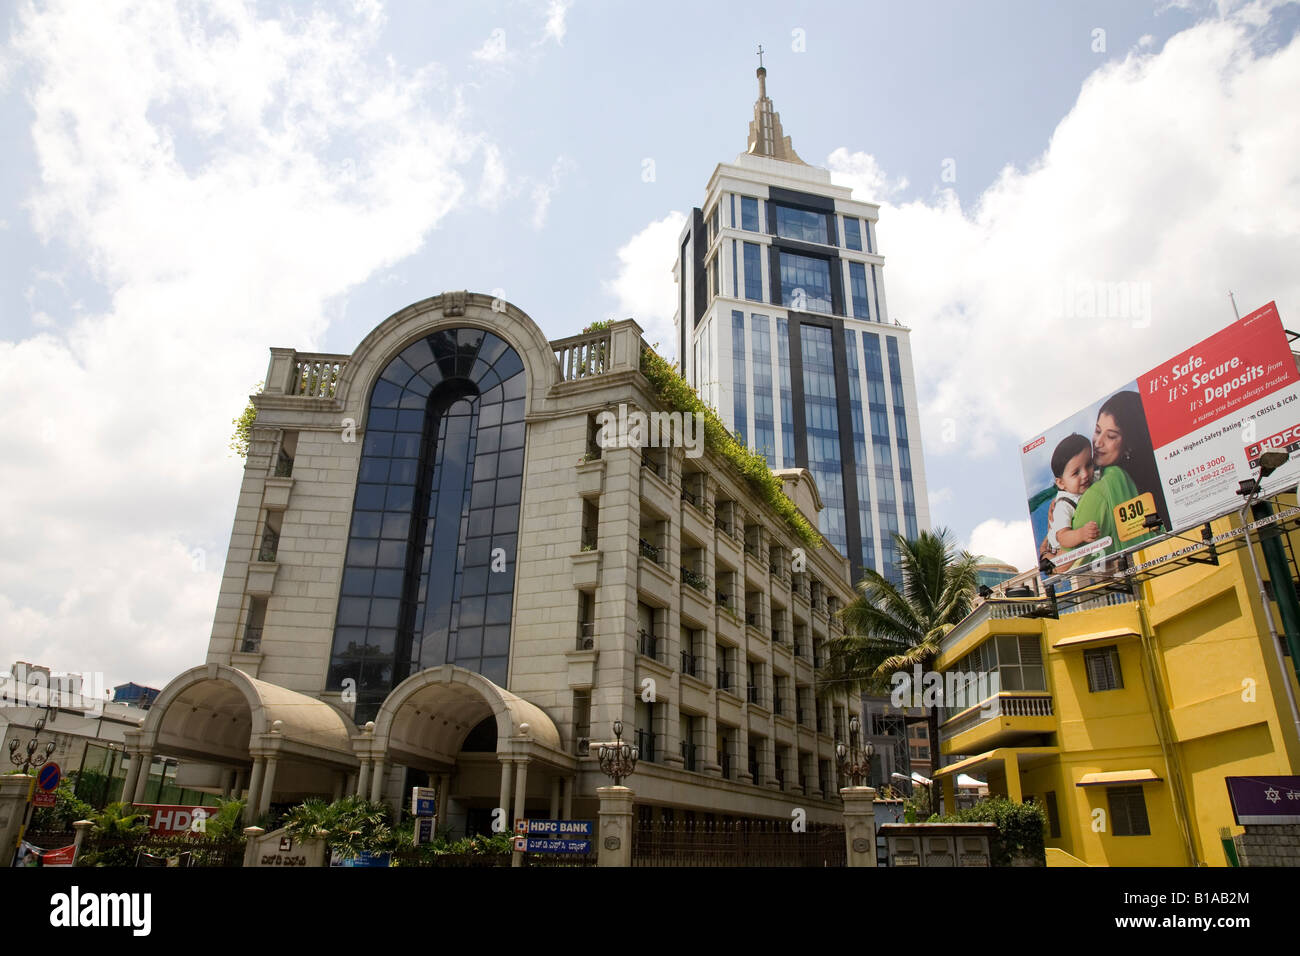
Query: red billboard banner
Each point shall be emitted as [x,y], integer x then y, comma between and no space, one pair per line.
[173,820]
[1176,442]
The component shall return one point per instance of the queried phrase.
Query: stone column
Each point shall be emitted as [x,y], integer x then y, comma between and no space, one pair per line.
[142,776]
[83,827]
[132,774]
[1012,767]
[614,830]
[521,792]
[377,781]
[255,790]
[948,786]
[268,785]
[569,784]
[340,781]
[444,795]
[251,844]
[860,825]
[363,782]
[503,800]
[555,797]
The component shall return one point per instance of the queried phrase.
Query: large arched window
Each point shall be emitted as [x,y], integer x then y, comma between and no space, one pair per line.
[428,578]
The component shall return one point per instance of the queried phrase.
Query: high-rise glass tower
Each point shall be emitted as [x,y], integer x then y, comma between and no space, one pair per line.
[783,327]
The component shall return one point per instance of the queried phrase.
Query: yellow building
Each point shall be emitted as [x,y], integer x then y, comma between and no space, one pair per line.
[1124,716]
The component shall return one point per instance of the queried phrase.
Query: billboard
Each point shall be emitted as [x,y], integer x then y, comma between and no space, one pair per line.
[1175,442]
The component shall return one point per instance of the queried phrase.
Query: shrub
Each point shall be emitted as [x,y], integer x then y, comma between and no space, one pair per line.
[1020,828]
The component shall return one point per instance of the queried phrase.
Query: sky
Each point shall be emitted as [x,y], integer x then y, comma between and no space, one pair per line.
[187,184]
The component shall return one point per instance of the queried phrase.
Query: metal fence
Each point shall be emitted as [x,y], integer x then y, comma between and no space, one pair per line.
[737,843]
[151,850]
[423,858]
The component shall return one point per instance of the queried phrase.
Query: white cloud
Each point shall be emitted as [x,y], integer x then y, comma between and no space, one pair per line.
[1173,173]
[1010,541]
[541,191]
[118,485]
[644,285]
[556,12]
[863,175]
[494,48]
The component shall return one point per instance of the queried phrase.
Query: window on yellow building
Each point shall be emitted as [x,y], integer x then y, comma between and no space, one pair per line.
[1128,811]
[1103,669]
[1053,816]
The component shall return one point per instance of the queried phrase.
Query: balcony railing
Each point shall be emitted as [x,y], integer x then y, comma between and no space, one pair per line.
[586,635]
[724,758]
[648,550]
[647,644]
[723,599]
[753,618]
[316,375]
[650,464]
[588,539]
[753,694]
[270,545]
[724,679]
[645,742]
[691,497]
[688,755]
[778,705]
[778,636]
[690,664]
[1001,705]
[695,580]
[252,642]
[722,525]
[581,356]
[824,784]
[283,465]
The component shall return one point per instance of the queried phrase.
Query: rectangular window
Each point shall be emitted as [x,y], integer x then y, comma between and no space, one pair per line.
[713,224]
[1103,669]
[805,283]
[858,287]
[852,234]
[753,272]
[805,225]
[1128,811]
[869,242]
[581,722]
[715,274]
[735,272]
[749,213]
[764,422]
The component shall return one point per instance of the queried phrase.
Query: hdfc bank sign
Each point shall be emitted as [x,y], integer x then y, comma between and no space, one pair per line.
[1287,439]
[170,820]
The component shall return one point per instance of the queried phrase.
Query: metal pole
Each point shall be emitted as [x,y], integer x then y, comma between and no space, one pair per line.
[1268,617]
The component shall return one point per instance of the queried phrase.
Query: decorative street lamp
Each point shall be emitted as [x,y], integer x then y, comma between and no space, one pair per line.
[618,760]
[30,759]
[855,759]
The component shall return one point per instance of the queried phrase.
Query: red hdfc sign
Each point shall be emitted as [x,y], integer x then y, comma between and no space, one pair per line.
[1287,440]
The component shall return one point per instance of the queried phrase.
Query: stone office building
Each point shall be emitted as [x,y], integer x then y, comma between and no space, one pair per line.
[437,576]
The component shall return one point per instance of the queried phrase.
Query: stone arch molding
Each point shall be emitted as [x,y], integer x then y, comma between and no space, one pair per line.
[187,713]
[449,310]
[460,695]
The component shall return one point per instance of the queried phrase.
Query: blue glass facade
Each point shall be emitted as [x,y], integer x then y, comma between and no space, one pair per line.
[900,431]
[858,288]
[749,213]
[877,405]
[753,272]
[802,224]
[821,415]
[764,422]
[787,401]
[739,383]
[852,233]
[862,478]
[805,283]
[437,499]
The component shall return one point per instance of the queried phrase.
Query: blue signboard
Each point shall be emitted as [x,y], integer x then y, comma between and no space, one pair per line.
[572,829]
[366,859]
[49,776]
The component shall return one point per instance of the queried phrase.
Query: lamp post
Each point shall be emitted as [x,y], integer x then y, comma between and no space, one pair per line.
[1250,490]
[26,761]
[854,760]
[618,760]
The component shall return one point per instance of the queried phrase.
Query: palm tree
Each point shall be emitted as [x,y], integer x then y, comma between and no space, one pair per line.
[888,630]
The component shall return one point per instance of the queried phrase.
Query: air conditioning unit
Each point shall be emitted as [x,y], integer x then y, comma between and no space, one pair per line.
[588,643]
[584,746]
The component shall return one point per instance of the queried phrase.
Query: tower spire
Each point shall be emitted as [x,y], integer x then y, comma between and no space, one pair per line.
[766,137]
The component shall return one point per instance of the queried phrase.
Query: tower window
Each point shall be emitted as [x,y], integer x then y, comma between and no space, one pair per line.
[749,213]
[852,233]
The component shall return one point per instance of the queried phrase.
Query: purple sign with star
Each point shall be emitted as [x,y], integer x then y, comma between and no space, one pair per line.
[1259,800]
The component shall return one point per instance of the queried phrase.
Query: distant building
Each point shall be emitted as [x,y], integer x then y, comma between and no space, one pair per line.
[135,694]
[990,572]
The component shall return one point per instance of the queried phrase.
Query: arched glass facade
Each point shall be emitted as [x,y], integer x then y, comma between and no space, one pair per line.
[428,578]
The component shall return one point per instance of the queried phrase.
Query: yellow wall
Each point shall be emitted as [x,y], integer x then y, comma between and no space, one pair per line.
[1216,675]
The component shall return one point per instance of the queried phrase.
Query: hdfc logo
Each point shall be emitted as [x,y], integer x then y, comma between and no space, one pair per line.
[1033,444]
[1288,438]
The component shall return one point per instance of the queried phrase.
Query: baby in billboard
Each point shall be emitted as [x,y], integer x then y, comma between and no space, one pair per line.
[1086,483]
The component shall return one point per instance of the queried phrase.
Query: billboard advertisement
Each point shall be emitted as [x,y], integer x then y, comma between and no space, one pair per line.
[1175,442]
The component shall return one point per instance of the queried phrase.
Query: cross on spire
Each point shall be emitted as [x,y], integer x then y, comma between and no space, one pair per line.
[760,56]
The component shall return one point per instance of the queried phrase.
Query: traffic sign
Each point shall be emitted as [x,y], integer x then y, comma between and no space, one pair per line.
[43,798]
[49,776]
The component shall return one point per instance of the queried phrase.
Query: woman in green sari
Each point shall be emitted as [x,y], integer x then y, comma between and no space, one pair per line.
[1121,444]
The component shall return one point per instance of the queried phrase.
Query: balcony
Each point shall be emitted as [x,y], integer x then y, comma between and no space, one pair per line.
[689,756]
[724,679]
[648,645]
[582,356]
[586,635]
[645,742]
[695,580]
[252,643]
[1001,720]
[690,664]
[648,550]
